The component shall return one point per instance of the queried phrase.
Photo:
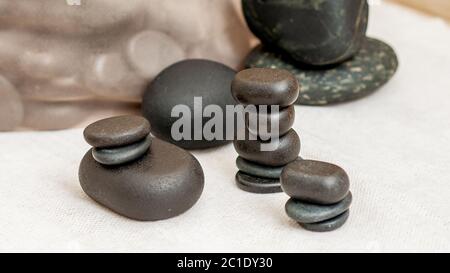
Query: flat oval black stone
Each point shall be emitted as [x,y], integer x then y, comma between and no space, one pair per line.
[287,150]
[285,117]
[124,154]
[310,31]
[117,131]
[179,84]
[315,182]
[308,213]
[328,225]
[256,184]
[265,86]
[164,183]
[371,68]
[258,170]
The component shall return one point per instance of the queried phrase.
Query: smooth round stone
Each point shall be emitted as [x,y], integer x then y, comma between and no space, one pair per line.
[328,225]
[116,131]
[285,117]
[148,56]
[265,86]
[372,67]
[256,184]
[178,85]
[308,213]
[11,108]
[310,31]
[164,183]
[286,151]
[315,182]
[121,155]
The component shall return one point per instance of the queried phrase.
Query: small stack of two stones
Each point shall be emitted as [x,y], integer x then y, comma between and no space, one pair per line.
[320,194]
[119,140]
[260,168]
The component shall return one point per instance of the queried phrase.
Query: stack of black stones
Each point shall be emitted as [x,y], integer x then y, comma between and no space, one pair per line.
[260,169]
[324,44]
[119,140]
[320,196]
[136,175]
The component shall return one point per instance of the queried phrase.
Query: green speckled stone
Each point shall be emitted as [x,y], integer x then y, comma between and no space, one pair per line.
[372,67]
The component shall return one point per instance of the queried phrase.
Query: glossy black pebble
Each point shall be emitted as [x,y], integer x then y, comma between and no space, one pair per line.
[256,184]
[121,155]
[265,86]
[164,183]
[308,213]
[116,131]
[316,32]
[315,182]
[328,225]
[285,118]
[179,84]
[286,151]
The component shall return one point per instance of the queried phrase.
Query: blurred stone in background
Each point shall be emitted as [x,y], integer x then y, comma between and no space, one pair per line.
[64,65]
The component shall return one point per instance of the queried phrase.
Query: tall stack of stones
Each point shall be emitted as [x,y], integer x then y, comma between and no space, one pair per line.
[260,168]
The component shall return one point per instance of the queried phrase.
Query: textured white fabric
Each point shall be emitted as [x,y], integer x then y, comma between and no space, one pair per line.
[394,145]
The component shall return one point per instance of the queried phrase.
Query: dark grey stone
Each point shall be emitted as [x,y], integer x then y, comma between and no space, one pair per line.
[371,68]
[265,86]
[328,225]
[259,170]
[116,131]
[285,117]
[256,184]
[178,85]
[255,169]
[287,150]
[315,182]
[121,155]
[314,32]
[308,213]
[163,183]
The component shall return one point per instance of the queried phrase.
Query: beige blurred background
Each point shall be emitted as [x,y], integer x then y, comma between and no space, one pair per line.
[439,8]
[64,67]
[65,63]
